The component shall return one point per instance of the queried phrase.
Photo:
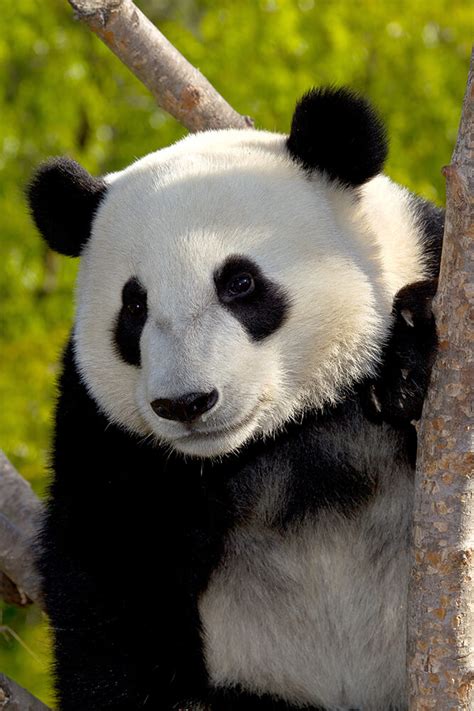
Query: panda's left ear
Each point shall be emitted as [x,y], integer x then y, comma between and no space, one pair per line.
[338,132]
[63,198]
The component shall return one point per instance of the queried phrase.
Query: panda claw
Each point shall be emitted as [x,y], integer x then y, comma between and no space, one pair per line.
[407,317]
[375,400]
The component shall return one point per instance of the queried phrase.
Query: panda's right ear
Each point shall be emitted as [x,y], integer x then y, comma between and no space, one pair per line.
[63,198]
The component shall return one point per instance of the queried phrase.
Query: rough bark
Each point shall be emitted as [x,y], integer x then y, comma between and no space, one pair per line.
[15,698]
[441,606]
[19,511]
[178,87]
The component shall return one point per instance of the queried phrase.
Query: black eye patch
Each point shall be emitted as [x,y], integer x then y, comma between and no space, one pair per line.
[257,302]
[130,322]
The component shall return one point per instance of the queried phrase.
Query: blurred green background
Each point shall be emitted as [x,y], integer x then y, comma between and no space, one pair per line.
[63,92]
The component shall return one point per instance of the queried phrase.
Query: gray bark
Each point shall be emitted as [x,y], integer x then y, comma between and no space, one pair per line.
[441,604]
[14,698]
[19,511]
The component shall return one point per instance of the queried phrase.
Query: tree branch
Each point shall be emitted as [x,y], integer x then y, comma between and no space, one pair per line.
[441,606]
[15,698]
[178,87]
[19,512]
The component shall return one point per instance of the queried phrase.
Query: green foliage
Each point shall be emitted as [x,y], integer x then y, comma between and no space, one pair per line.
[63,92]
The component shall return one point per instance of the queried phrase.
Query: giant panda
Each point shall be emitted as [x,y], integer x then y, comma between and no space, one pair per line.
[228,524]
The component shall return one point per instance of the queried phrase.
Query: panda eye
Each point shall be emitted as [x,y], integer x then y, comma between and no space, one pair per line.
[135,308]
[134,299]
[239,285]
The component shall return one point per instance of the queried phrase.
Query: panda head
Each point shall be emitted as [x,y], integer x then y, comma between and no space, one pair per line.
[224,285]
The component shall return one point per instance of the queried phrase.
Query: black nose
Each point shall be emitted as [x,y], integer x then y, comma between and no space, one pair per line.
[186,408]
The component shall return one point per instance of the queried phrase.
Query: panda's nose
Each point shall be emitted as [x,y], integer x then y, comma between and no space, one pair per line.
[186,408]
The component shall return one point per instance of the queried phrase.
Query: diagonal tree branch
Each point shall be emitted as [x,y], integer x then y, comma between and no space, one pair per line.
[441,607]
[177,86]
[14,698]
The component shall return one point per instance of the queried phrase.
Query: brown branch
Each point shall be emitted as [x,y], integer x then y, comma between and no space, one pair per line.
[441,608]
[19,512]
[178,87]
[15,698]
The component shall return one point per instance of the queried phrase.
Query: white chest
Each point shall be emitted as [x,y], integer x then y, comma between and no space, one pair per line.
[317,615]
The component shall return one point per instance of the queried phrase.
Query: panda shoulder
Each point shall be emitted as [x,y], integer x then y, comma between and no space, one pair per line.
[408,231]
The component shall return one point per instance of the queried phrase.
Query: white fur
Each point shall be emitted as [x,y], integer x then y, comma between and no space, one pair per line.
[386,208]
[317,615]
[171,219]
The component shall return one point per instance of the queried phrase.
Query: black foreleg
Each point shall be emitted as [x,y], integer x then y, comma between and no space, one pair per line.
[397,394]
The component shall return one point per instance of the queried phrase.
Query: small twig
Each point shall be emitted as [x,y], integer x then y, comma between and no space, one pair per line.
[6,630]
[178,87]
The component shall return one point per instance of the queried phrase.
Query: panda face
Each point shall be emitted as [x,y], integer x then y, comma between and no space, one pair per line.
[222,292]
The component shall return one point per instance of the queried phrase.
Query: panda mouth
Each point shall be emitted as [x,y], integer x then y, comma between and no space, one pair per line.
[228,430]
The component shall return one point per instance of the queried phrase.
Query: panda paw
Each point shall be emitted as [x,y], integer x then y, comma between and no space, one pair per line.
[397,394]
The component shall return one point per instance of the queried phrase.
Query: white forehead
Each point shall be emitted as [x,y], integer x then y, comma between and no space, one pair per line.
[208,196]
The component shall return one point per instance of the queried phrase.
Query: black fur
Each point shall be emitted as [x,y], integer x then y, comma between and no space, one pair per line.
[339,133]
[115,499]
[63,199]
[397,394]
[130,322]
[261,311]
[126,526]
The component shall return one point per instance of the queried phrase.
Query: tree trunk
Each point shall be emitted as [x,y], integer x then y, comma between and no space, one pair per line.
[441,600]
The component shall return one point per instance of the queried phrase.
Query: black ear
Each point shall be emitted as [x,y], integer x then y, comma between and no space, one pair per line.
[63,199]
[339,133]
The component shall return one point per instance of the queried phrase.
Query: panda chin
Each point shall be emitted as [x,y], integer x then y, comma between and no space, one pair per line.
[207,445]
[218,442]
